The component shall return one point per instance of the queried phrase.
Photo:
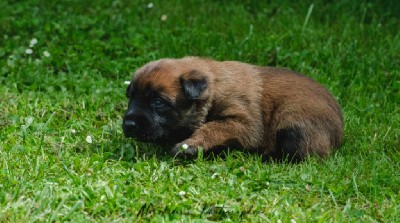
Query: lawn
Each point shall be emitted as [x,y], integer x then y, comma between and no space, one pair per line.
[63,156]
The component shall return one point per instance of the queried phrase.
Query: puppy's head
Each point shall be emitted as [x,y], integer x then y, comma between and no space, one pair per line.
[167,102]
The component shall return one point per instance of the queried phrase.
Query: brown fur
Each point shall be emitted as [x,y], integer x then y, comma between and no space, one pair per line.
[250,107]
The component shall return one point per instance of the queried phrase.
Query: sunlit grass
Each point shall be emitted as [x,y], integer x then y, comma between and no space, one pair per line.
[63,156]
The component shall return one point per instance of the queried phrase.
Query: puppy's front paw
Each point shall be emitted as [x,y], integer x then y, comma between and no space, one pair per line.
[184,150]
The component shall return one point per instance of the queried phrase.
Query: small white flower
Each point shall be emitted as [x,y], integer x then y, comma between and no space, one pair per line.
[182,193]
[33,42]
[164,17]
[46,53]
[185,146]
[89,139]
[214,175]
[127,82]
[73,131]
[150,5]
[28,51]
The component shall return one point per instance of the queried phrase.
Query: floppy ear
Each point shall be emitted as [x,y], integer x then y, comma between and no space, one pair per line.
[194,84]
[128,91]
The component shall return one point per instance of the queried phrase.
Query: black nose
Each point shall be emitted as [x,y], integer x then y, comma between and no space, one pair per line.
[131,124]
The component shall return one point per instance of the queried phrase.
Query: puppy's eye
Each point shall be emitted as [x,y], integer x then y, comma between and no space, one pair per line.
[158,103]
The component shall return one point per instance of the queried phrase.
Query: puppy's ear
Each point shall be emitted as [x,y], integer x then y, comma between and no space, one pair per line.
[128,90]
[194,84]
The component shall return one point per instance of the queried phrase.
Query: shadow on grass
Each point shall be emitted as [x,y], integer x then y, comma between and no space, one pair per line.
[129,150]
[121,149]
[117,147]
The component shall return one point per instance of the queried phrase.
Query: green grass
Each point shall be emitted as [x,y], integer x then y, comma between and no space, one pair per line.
[49,105]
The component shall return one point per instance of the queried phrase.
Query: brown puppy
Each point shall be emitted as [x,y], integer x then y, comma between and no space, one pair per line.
[200,103]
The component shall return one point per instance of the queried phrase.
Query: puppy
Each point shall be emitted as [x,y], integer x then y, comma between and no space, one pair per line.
[194,103]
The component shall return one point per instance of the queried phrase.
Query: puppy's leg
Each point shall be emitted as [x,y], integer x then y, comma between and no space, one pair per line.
[296,141]
[230,133]
[289,144]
